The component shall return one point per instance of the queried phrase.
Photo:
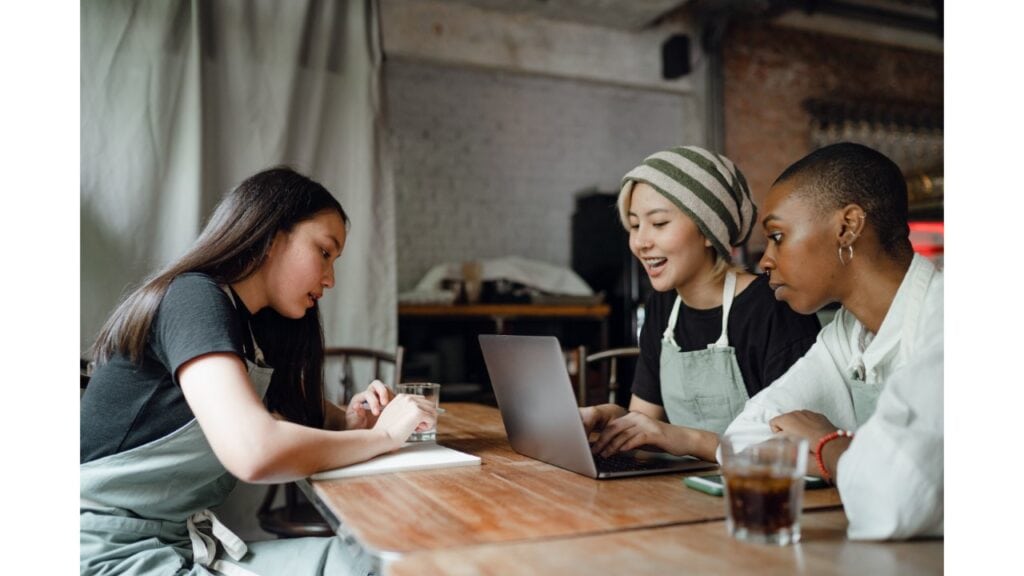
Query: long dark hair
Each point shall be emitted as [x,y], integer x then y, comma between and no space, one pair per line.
[232,247]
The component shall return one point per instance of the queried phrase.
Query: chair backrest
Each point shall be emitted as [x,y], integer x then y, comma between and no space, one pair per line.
[606,365]
[297,517]
[85,372]
[375,360]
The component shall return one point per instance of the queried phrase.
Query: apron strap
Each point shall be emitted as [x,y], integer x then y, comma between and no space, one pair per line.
[257,353]
[204,547]
[669,334]
[728,291]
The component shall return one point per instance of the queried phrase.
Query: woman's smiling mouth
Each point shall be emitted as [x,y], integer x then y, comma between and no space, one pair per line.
[654,263]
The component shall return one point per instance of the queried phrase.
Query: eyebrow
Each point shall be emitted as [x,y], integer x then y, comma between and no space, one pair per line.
[768,218]
[649,212]
[337,245]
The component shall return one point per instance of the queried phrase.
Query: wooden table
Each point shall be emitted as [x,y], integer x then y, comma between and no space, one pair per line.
[703,548]
[508,498]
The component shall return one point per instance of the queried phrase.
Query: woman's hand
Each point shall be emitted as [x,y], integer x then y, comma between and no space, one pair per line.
[595,418]
[814,427]
[806,423]
[630,432]
[405,414]
[376,396]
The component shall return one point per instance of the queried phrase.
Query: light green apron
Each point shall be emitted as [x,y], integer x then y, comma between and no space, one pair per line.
[702,389]
[864,388]
[146,511]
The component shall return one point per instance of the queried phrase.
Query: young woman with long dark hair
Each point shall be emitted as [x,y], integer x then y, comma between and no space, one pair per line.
[212,371]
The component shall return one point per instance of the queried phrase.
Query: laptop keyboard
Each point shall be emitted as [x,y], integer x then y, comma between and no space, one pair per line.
[627,462]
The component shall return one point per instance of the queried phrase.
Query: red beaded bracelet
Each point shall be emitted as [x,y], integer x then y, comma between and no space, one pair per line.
[821,444]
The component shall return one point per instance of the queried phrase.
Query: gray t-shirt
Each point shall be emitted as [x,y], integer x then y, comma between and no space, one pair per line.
[126,405]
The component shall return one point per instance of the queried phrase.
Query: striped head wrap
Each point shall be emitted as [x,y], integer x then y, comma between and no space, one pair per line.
[707,187]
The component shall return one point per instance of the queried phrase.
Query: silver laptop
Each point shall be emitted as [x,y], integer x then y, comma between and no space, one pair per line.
[531,384]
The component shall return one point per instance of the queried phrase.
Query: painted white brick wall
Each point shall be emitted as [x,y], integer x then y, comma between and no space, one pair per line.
[487,163]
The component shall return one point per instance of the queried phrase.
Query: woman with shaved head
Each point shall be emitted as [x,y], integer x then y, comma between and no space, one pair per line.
[868,395]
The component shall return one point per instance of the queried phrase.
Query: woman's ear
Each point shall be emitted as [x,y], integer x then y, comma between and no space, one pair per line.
[851,224]
[275,244]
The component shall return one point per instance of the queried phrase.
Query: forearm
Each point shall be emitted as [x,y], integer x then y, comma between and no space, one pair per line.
[610,412]
[286,451]
[685,441]
[830,454]
[250,442]
[813,383]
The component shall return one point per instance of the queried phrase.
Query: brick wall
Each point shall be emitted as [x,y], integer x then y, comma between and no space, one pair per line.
[486,163]
[770,71]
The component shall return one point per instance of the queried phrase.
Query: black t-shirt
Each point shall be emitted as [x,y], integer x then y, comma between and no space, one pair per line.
[768,336]
[127,405]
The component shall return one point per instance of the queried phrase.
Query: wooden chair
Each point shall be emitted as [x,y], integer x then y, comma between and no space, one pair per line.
[379,358]
[606,363]
[297,517]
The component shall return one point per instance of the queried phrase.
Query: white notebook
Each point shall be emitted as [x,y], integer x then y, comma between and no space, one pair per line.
[411,456]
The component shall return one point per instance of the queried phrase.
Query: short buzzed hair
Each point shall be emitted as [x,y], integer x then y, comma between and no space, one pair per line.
[846,173]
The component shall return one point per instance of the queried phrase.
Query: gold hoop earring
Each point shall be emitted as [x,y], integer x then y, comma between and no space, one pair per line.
[849,258]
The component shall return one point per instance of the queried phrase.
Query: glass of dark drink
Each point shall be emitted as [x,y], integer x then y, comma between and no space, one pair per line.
[764,489]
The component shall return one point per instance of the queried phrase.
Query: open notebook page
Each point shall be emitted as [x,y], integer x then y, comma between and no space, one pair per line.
[411,456]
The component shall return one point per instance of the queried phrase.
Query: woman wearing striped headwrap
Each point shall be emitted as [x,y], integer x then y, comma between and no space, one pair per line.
[713,334]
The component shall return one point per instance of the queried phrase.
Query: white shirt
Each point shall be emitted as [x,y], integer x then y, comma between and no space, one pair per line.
[891,476]
[842,376]
[846,360]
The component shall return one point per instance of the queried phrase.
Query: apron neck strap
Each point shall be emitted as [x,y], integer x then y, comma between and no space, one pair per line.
[257,353]
[669,333]
[728,292]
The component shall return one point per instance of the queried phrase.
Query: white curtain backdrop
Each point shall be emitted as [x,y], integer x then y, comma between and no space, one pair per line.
[182,99]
